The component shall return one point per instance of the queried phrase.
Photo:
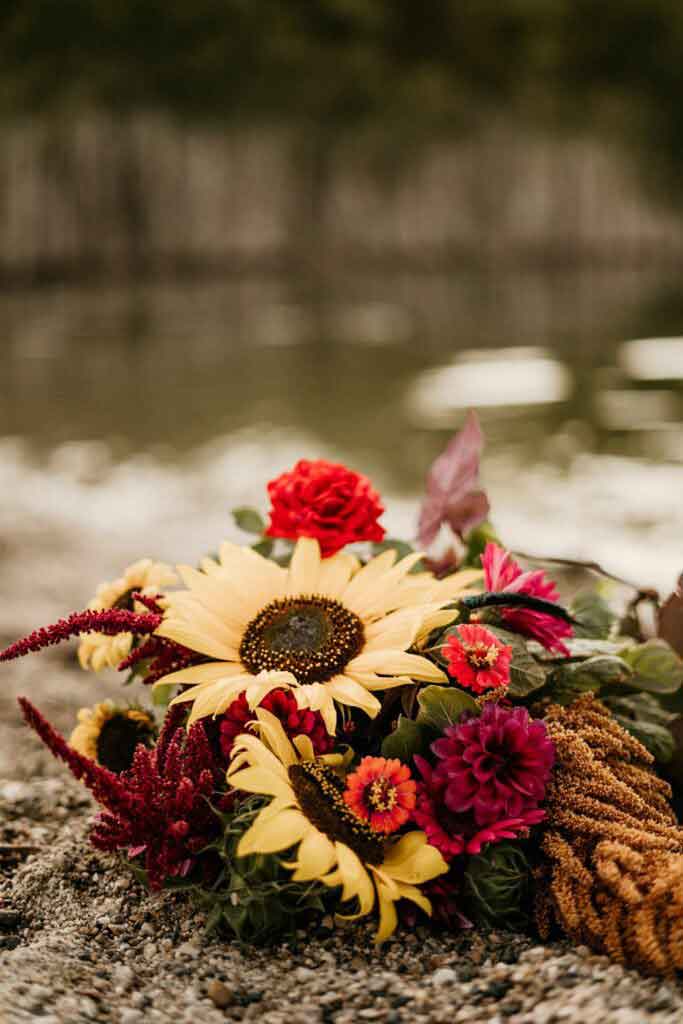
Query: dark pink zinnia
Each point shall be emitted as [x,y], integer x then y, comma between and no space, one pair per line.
[454,834]
[477,659]
[295,721]
[503,574]
[496,765]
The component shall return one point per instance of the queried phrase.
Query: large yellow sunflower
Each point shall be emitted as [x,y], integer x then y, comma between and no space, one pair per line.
[308,811]
[98,651]
[329,629]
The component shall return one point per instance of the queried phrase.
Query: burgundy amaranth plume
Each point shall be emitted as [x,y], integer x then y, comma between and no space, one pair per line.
[110,621]
[105,786]
[165,656]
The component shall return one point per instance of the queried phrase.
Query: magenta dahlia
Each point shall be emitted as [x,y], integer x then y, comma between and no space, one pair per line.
[454,833]
[295,721]
[503,574]
[496,764]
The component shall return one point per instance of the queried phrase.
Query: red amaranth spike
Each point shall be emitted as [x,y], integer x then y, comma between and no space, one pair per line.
[111,621]
[105,786]
[149,649]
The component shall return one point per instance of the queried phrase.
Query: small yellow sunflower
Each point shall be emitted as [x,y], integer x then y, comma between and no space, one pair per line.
[329,629]
[109,734]
[97,651]
[334,846]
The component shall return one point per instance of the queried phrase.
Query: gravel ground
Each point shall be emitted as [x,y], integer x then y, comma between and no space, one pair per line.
[81,941]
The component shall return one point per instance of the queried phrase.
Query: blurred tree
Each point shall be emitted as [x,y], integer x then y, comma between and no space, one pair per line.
[331,66]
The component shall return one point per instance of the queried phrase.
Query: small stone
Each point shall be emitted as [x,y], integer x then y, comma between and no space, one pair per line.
[304,974]
[219,994]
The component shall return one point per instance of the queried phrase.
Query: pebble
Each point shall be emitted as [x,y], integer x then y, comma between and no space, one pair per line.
[219,994]
[444,976]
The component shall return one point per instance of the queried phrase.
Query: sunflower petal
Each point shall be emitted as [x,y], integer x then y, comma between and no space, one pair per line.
[304,567]
[314,858]
[347,691]
[394,662]
[277,832]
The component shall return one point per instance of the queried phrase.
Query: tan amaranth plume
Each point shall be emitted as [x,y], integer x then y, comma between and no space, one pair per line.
[613,874]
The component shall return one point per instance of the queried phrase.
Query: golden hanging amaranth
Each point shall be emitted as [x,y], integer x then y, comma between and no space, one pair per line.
[613,879]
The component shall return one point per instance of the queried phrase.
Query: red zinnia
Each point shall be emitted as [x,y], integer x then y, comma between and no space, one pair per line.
[295,721]
[496,764]
[455,833]
[477,659]
[381,792]
[325,501]
[502,573]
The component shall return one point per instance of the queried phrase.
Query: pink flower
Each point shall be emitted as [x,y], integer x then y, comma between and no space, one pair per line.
[496,765]
[503,574]
[452,833]
[477,659]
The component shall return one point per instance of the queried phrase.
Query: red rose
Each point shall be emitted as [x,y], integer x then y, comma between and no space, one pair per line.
[326,501]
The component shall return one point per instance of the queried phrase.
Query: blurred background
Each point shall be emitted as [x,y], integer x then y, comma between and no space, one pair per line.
[237,232]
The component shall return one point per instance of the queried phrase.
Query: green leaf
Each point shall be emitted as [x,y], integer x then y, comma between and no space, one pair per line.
[526,673]
[643,716]
[594,614]
[476,541]
[656,667]
[264,547]
[568,681]
[248,519]
[441,706]
[407,739]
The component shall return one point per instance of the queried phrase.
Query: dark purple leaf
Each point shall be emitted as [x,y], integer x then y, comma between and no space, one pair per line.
[670,619]
[453,492]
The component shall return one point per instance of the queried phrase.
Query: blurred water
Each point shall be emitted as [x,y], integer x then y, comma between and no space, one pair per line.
[134,417]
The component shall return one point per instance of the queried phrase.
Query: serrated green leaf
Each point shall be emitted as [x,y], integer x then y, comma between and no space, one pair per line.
[407,739]
[594,614]
[248,519]
[656,667]
[441,706]
[526,673]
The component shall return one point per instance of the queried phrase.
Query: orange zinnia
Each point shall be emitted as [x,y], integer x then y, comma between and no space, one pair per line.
[381,792]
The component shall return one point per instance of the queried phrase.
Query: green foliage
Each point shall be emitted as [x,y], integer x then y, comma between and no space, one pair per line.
[249,520]
[476,540]
[441,706]
[497,886]
[407,739]
[254,897]
[644,717]
[596,617]
[656,667]
[527,674]
[570,679]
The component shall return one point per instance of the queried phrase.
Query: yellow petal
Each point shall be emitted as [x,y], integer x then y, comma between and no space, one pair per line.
[304,748]
[304,567]
[372,681]
[459,582]
[273,834]
[259,780]
[355,880]
[205,643]
[396,631]
[209,672]
[413,860]
[397,663]
[435,620]
[347,691]
[218,597]
[315,857]
[262,684]
[334,574]
[388,918]
[249,749]
[274,735]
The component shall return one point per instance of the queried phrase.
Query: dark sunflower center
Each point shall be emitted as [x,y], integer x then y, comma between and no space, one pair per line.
[321,797]
[118,738]
[312,637]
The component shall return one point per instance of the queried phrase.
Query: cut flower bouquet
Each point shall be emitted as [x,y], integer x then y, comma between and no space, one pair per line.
[336,720]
